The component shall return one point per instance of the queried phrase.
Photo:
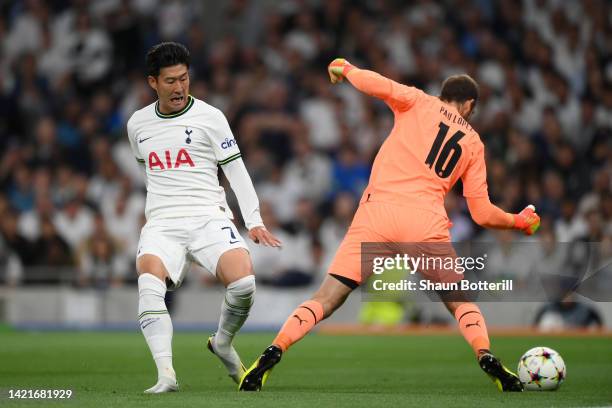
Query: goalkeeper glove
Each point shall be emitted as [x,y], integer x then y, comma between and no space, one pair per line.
[338,69]
[527,220]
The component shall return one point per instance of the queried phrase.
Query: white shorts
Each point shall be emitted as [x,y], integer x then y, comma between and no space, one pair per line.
[179,241]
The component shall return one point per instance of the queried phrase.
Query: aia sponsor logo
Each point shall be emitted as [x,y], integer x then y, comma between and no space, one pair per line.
[182,158]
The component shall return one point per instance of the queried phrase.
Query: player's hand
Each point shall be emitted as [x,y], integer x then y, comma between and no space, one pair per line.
[527,220]
[338,69]
[260,235]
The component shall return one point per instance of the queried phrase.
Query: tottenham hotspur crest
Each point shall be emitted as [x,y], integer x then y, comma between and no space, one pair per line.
[188,133]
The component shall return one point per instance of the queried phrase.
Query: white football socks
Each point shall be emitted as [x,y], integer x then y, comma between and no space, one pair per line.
[234,312]
[155,323]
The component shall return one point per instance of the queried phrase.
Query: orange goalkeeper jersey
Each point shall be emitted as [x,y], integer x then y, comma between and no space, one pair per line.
[429,148]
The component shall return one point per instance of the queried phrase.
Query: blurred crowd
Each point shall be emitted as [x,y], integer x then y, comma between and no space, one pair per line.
[71,74]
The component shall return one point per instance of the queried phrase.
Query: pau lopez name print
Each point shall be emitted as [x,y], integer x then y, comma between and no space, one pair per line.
[182,159]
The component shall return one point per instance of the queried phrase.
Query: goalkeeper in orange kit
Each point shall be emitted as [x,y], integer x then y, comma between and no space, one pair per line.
[431,146]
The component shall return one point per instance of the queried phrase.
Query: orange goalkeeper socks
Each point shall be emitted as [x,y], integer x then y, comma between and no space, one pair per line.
[301,321]
[472,326]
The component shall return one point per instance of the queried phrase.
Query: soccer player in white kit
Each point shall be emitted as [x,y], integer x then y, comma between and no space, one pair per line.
[181,141]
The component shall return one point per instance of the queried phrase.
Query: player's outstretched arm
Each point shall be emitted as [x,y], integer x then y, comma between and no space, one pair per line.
[484,213]
[241,183]
[488,215]
[372,83]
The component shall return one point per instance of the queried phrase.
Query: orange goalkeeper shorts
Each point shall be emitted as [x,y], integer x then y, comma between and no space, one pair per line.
[416,231]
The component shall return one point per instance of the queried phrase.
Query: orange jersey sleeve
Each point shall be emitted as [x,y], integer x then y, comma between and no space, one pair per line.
[476,192]
[399,97]
[488,215]
[474,177]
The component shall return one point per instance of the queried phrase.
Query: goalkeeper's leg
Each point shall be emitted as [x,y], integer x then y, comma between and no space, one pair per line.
[474,329]
[331,295]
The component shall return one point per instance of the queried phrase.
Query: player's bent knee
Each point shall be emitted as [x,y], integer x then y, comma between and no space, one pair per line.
[243,286]
[153,265]
[233,265]
[149,284]
[239,294]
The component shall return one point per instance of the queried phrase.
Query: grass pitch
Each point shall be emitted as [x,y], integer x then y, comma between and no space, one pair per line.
[112,370]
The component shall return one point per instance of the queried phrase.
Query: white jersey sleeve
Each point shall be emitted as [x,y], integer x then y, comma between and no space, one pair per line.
[242,185]
[134,147]
[224,144]
[132,139]
[229,158]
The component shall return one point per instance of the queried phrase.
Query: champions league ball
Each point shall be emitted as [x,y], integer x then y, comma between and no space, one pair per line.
[541,369]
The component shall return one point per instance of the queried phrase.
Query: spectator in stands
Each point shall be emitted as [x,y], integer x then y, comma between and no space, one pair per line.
[123,215]
[567,314]
[74,223]
[47,152]
[293,265]
[29,222]
[320,114]
[334,228]
[13,239]
[21,193]
[570,225]
[53,261]
[309,172]
[281,195]
[509,259]
[101,263]
[350,173]
[90,49]
[11,267]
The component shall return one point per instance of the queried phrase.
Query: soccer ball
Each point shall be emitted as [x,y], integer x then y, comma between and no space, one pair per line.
[541,369]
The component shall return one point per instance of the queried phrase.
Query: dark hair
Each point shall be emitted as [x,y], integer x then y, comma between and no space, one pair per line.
[166,54]
[459,88]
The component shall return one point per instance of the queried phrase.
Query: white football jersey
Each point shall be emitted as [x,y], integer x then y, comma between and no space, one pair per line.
[181,152]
